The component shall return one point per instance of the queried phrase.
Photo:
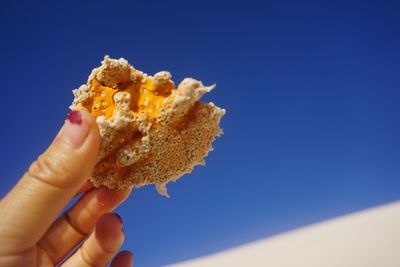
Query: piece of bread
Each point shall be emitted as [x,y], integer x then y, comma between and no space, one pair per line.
[151,132]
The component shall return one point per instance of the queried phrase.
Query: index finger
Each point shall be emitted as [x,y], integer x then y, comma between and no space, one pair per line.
[49,184]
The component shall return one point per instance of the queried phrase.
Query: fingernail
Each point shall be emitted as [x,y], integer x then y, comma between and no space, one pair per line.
[124,258]
[75,130]
[75,117]
[119,217]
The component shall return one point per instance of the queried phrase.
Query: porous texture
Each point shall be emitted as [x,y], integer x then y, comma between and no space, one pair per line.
[151,132]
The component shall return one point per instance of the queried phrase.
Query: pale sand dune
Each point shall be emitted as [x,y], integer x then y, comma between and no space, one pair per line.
[369,238]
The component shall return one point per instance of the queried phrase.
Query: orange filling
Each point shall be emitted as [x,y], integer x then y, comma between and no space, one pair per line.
[103,100]
[147,97]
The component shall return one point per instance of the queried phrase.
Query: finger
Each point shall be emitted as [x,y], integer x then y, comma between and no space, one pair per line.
[123,259]
[49,184]
[101,246]
[85,187]
[76,223]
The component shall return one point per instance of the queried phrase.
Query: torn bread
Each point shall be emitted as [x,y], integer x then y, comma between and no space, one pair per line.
[151,131]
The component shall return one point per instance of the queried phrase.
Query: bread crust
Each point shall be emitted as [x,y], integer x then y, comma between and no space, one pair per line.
[140,148]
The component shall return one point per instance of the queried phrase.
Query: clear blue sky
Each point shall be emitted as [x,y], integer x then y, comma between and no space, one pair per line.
[312,129]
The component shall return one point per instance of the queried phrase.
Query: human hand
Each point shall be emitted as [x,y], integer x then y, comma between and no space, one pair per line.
[30,234]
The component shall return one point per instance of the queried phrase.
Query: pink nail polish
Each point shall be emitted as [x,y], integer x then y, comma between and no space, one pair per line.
[75,117]
[119,217]
[75,130]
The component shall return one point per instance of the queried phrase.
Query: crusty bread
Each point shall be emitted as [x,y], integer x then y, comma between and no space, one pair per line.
[151,132]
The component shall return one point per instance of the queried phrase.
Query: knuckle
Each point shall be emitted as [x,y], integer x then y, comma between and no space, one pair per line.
[74,224]
[87,257]
[51,170]
[50,248]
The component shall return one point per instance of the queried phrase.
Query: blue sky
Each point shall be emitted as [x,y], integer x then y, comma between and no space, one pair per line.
[311,91]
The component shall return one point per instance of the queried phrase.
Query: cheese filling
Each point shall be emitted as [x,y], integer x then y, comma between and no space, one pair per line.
[148,95]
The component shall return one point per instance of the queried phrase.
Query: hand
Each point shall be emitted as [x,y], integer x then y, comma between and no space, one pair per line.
[29,236]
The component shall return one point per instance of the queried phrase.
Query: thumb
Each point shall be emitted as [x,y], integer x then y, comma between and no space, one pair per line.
[50,183]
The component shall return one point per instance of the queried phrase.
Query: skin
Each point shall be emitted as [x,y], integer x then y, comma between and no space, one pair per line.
[32,230]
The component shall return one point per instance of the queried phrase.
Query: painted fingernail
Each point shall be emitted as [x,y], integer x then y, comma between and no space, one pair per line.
[119,217]
[75,130]
[75,117]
